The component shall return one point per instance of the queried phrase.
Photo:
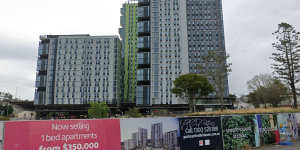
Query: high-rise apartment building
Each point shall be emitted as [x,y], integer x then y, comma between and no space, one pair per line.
[157,135]
[173,35]
[128,34]
[135,138]
[142,137]
[78,69]
[171,140]
[129,144]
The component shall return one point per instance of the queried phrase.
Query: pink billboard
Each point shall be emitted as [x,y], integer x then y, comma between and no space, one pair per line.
[63,135]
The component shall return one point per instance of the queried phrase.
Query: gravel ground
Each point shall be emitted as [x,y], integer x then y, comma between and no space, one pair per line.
[295,146]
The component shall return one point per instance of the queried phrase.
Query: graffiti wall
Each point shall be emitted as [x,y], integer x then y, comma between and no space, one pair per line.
[287,125]
[297,115]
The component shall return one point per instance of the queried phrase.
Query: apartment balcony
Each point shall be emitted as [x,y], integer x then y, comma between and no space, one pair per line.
[140,34]
[42,72]
[40,84]
[42,68]
[144,50]
[43,56]
[146,82]
[143,3]
[41,89]
[144,18]
[142,66]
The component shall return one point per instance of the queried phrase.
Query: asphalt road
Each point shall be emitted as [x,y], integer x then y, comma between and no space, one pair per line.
[295,146]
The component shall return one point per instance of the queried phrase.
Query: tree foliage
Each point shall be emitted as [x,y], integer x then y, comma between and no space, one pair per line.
[218,73]
[191,87]
[266,89]
[98,110]
[6,96]
[6,110]
[287,56]
[133,113]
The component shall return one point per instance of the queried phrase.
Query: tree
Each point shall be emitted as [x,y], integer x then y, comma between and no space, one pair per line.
[287,56]
[190,87]
[6,96]
[258,81]
[277,92]
[266,89]
[133,113]
[257,87]
[98,110]
[6,110]
[218,73]
[254,98]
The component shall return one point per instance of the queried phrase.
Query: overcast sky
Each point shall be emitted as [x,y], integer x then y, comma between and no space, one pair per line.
[248,28]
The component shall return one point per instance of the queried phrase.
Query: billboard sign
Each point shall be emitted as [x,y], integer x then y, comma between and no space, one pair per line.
[201,133]
[63,135]
[239,132]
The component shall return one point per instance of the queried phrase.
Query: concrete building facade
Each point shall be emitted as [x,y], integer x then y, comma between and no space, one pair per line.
[173,35]
[128,34]
[78,69]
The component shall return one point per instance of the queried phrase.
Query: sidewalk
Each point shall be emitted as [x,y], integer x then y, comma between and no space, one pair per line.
[295,146]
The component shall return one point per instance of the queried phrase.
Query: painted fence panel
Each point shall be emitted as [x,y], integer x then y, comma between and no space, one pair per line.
[267,125]
[287,125]
[63,135]
[297,115]
[239,131]
[190,133]
[203,133]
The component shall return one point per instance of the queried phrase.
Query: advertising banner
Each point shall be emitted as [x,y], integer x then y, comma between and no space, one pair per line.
[239,132]
[63,135]
[150,134]
[287,126]
[267,125]
[201,133]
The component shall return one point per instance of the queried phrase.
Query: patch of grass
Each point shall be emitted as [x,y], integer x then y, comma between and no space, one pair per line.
[3,118]
[247,111]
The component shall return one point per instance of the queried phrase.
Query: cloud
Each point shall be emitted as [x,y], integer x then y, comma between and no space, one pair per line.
[18,75]
[248,33]
[19,50]
[248,28]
